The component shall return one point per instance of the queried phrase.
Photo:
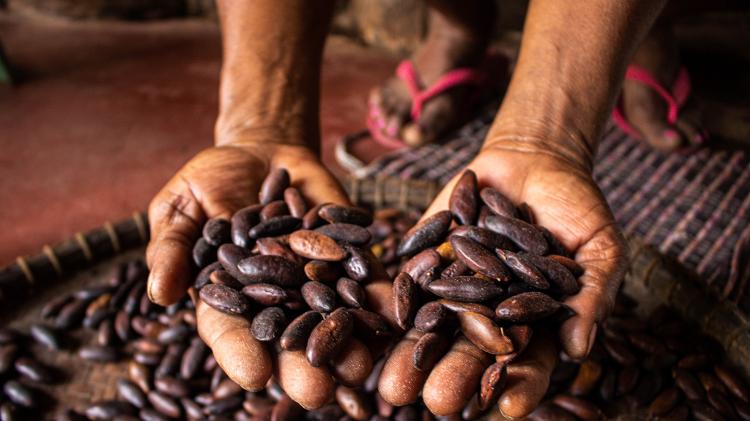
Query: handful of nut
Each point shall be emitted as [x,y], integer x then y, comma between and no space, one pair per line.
[493,279]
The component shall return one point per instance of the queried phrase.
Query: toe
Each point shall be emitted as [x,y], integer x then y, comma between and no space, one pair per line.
[647,113]
[689,124]
[438,115]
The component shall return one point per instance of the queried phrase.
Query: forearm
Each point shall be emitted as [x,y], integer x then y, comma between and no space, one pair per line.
[569,72]
[270,77]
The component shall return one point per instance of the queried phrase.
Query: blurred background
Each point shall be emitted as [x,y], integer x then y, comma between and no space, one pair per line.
[101,101]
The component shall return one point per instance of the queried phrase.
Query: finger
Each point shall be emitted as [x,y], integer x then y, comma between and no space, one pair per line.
[400,382]
[604,258]
[315,183]
[245,359]
[353,364]
[528,377]
[311,387]
[446,391]
[175,221]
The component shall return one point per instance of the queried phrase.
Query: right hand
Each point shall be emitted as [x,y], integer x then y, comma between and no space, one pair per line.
[214,184]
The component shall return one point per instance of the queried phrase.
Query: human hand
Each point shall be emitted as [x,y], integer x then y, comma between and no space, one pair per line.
[565,200]
[214,184]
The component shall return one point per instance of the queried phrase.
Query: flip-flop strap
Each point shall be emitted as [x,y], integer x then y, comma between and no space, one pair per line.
[674,99]
[456,77]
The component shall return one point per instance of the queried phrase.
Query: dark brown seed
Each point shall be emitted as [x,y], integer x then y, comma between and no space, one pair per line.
[689,384]
[664,401]
[721,403]
[271,269]
[491,385]
[431,317]
[131,392]
[122,326]
[265,294]
[319,296]
[710,381]
[524,235]
[703,411]
[287,410]
[555,273]
[526,307]
[311,219]
[428,350]
[164,404]
[328,336]
[148,345]
[99,353]
[7,357]
[273,186]
[479,259]
[108,410]
[627,379]
[619,351]
[421,262]
[19,394]
[646,342]
[367,321]
[464,199]
[523,268]
[275,226]
[204,276]
[404,299]
[356,265]
[498,202]
[225,299]
[295,335]
[91,292]
[53,306]
[589,374]
[489,239]
[318,270]
[353,403]
[315,245]
[177,388]
[693,361]
[71,314]
[45,336]
[229,256]
[203,253]
[148,414]
[733,382]
[268,324]
[427,277]
[456,268]
[680,413]
[345,214]
[193,358]
[295,202]
[573,266]
[222,277]
[170,363]
[549,412]
[242,221]
[608,386]
[742,408]
[466,288]
[350,292]
[458,306]
[274,209]
[105,334]
[581,408]
[33,370]
[274,247]
[217,231]
[428,233]
[347,233]
[556,247]
[146,358]
[140,375]
[176,333]
[484,333]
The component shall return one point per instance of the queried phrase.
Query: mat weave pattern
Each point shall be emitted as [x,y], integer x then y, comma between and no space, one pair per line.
[693,208]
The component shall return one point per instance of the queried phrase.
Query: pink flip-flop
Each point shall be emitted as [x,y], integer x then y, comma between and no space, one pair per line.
[675,98]
[419,96]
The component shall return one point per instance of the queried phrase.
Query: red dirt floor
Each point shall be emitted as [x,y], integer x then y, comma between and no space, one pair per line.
[106,112]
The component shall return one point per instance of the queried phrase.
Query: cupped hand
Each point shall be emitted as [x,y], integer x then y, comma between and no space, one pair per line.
[214,184]
[565,200]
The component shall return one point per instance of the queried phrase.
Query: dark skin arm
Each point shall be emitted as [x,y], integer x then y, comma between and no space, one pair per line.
[538,151]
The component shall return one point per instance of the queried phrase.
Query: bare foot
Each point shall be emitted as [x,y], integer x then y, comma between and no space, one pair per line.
[453,42]
[646,110]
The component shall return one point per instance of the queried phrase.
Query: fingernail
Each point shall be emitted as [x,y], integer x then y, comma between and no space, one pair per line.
[670,134]
[592,339]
